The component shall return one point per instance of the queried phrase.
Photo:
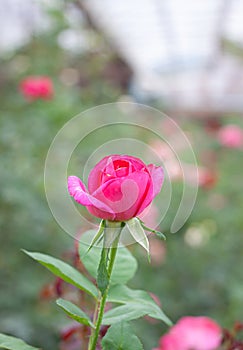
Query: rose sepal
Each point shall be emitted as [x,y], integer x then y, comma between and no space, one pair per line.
[136,230]
[157,233]
[98,237]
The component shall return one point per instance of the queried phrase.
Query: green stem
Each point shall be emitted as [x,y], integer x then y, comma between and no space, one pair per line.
[102,301]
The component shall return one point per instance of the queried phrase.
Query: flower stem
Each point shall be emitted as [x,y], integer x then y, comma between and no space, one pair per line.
[100,307]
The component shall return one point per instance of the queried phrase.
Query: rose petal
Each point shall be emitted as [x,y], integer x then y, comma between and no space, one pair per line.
[199,333]
[94,180]
[78,191]
[112,190]
[127,194]
[171,342]
[190,332]
[135,192]
[157,175]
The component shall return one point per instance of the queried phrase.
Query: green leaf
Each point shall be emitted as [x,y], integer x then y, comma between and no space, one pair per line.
[125,264]
[12,343]
[123,295]
[102,276]
[74,312]
[127,312]
[135,228]
[121,337]
[66,272]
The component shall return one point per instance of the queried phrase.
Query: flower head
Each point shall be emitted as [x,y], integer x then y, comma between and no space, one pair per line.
[36,87]
[120,187]
[197,333]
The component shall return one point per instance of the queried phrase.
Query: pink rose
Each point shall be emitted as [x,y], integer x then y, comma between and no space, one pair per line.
[36,87]
[120,187]
[192,333]
[231,136]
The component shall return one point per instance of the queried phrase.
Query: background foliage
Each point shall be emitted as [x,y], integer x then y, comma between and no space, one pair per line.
[197,279]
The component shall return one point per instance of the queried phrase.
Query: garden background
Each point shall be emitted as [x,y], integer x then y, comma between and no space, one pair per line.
[198,271]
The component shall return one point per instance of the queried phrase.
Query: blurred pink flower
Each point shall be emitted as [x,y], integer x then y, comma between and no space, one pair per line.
[36,87]
[192,333]
[231,136]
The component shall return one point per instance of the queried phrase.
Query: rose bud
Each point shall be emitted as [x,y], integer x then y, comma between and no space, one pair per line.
[120,187]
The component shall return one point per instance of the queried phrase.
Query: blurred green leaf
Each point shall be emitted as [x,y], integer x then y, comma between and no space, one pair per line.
[66,272]
[123,295]
[125,264]
[127,312]
[12,343]
[74,312]
[120,337]
[140,301]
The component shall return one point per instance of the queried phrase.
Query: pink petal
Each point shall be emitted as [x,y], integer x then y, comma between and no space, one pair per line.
[199,333]
[94,180]
[78,191]
[171,342]
[136,191]
[125,198]
[157,175]
[155,184]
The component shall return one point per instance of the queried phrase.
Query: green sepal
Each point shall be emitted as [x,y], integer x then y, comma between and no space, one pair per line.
[136,230]
[98,235]
[158,233]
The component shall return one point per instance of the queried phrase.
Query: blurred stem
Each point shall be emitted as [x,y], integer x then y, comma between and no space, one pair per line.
[100,306]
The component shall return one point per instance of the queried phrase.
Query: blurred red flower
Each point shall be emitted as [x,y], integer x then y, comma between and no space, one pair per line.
[36,87]
[207,178]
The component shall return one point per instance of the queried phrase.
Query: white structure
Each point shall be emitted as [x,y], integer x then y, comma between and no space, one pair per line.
[19,20]
[172,46]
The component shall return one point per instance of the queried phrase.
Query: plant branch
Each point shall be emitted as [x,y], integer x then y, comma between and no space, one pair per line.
[100,306]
